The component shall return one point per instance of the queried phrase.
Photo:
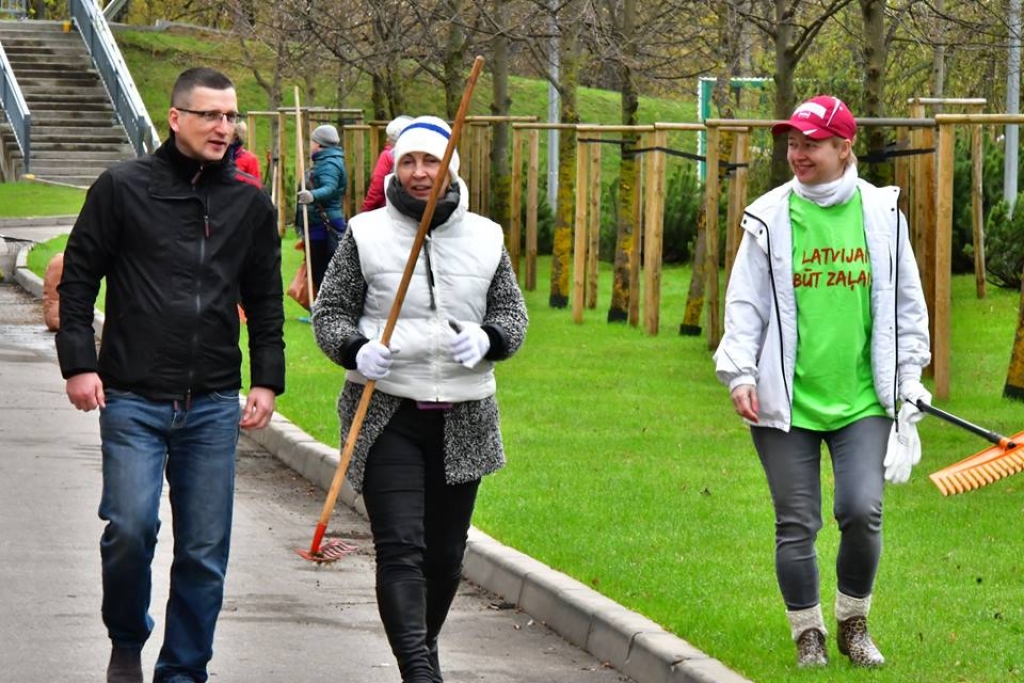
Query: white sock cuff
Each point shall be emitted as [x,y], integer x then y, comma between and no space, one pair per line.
[848,607]
[802,619]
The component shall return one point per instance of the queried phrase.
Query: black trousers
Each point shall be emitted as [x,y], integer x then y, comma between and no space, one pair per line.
[320,254]
[419,523]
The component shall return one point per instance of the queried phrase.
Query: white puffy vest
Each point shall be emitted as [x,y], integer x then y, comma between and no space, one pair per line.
[464,254]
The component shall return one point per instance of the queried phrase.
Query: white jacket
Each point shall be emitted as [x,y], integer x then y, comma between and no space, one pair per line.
[760,340]
[463,254]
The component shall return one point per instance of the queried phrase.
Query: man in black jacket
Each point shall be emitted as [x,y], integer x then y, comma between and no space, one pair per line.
[181,238]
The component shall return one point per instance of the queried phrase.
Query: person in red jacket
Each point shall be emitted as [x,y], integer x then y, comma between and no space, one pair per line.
[244,159]
[385,164]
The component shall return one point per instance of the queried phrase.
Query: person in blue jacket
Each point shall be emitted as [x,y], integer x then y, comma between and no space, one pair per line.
[326,181]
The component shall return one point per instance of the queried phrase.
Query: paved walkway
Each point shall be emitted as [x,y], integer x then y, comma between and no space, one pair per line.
[515,620]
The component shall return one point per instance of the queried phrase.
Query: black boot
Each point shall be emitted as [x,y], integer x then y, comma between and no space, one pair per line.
[403,608]
[125,665]
[440,593]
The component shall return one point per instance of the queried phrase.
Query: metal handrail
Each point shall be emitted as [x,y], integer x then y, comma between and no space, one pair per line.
[114,73]
[17,8]
[16,108]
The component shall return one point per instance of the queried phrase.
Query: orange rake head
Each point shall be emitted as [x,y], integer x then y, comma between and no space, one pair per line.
[983,468]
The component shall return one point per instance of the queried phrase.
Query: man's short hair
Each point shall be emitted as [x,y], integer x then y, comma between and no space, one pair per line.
[198,77]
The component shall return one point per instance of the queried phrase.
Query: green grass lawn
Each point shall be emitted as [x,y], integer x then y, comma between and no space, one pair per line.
[629,471]
[27,199]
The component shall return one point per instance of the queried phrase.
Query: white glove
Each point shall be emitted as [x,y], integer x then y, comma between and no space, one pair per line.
[904,448]
[911,391]
[470,345]
[374,360]
[305,197]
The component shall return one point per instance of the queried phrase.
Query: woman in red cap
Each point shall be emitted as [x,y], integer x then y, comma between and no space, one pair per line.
[826,332]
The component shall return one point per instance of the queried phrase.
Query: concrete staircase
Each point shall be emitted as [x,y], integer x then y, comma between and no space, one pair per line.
[75,131]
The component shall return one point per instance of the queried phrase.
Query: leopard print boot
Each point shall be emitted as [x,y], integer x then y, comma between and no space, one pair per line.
[808,630]
[853,637]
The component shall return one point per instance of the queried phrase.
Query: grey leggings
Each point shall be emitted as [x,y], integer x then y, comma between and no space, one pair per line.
[792,463]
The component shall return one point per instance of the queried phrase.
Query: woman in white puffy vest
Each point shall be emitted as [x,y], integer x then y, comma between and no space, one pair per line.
[431,431]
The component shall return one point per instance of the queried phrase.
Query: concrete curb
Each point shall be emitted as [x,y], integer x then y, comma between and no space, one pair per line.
[630,642]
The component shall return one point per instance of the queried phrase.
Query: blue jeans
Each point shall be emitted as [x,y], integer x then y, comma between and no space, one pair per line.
[194,446]
[792,463]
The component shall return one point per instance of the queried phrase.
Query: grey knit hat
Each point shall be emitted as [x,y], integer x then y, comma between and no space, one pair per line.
[326,135]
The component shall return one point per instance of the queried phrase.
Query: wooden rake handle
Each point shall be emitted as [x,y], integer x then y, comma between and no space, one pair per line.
[300,167]
[987,434]
[396,307]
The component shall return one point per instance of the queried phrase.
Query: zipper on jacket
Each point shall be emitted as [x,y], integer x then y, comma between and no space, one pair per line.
[778,312]
[430,274]
[194,346]
[896,317]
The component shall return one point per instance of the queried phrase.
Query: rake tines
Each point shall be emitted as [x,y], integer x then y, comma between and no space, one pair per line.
[331,551]
[988,466]
[1006,457]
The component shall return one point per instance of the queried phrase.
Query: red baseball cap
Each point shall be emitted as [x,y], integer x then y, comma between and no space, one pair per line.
[820,118]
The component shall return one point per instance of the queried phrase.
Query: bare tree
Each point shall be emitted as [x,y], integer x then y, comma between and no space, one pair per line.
[792,26]
[875,52]
[567,18]
[629,172]
[501,176]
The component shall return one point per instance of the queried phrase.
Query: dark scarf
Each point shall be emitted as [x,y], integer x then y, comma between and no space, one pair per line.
[414,208]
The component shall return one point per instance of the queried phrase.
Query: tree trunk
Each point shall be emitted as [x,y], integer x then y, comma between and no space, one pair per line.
[873,14]
[629,177]
[378,97]
[690,326]
[939,55]
[396,98]
[453,60]
[565,203]
[785,92]
[501,175]
[1014,387]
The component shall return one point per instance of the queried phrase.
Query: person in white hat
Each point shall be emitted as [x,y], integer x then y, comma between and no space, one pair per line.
[431,431]
[826,333]
[385,164]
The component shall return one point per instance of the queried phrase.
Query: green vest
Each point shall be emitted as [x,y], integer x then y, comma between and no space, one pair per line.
[832,384]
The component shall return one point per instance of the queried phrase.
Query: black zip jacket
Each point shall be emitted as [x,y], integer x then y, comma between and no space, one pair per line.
[180,243]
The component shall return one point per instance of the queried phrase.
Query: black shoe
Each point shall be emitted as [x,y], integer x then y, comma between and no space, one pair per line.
[125,665]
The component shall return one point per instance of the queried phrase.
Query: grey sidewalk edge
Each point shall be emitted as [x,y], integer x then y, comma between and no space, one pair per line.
[37,221]
[626,640]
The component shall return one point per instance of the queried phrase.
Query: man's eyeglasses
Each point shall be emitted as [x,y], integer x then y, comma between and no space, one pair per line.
[211,116]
